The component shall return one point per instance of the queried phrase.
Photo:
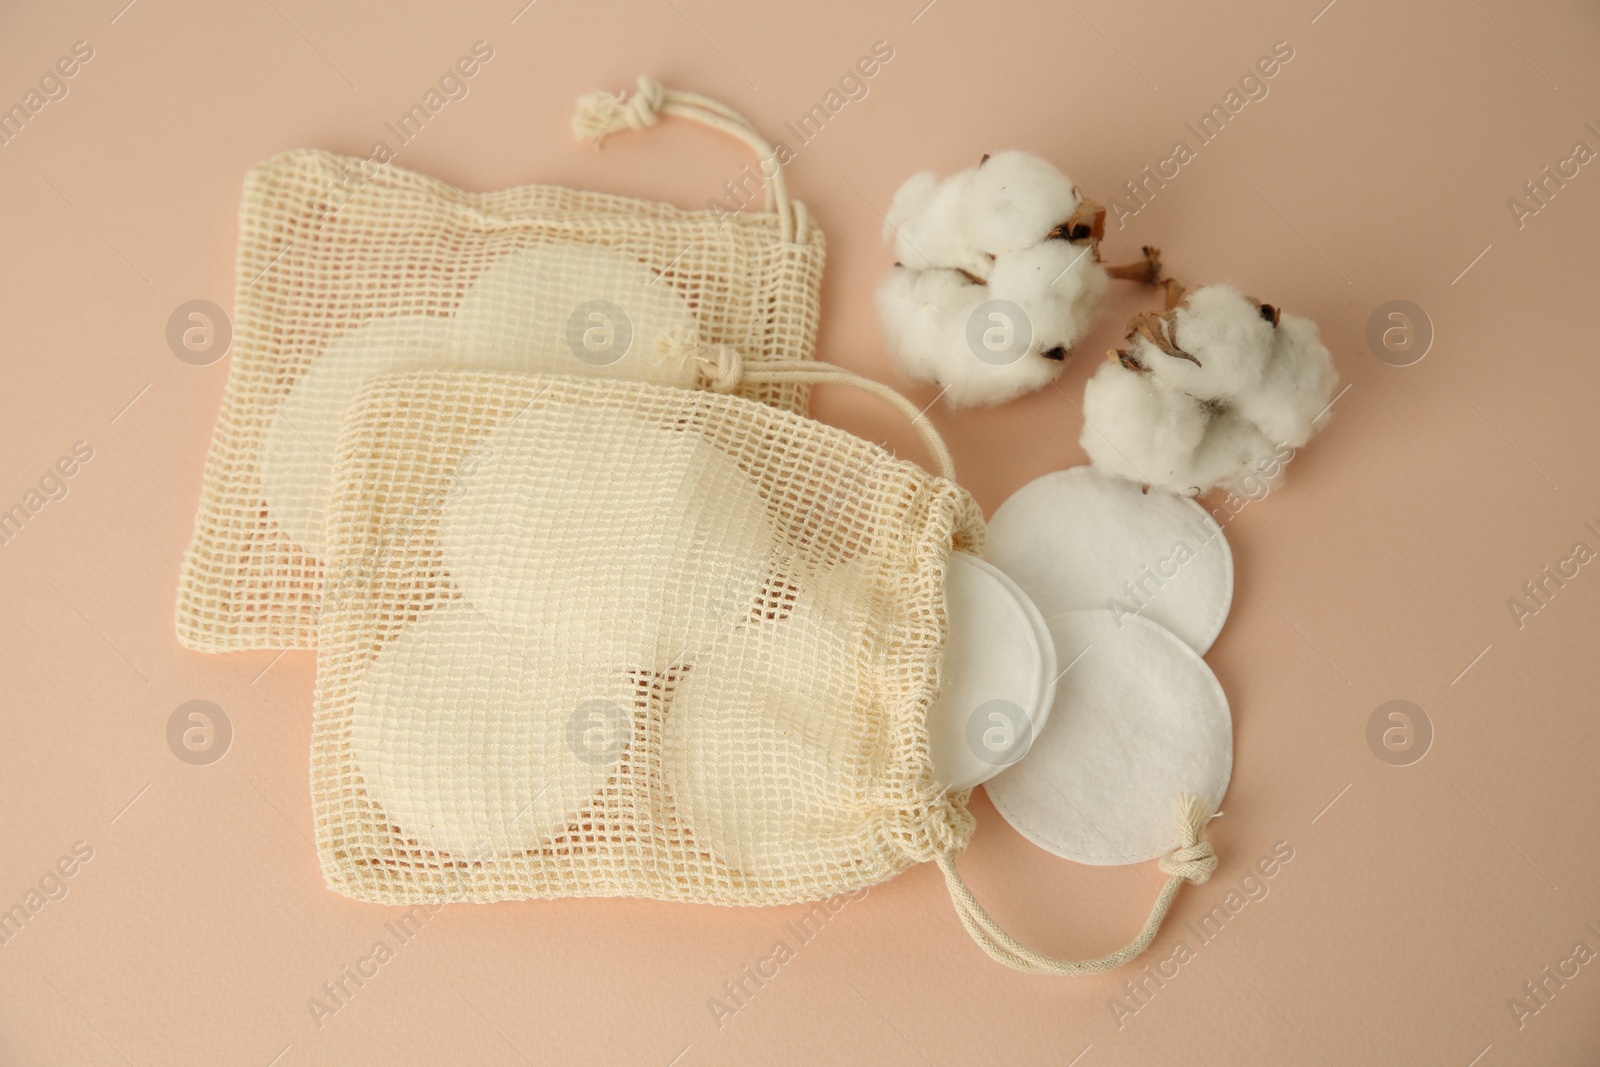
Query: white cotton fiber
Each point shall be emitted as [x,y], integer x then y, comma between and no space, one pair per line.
[927,224]
[925,314]
[1296,385]
[1225,331]
[1215,391]
[1015,199]
[1058,284]
[925,318]
[1135,430]
[1233,447]
[989,296]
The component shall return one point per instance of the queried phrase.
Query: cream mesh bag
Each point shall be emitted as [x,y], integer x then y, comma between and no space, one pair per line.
[349,268]
[603,638]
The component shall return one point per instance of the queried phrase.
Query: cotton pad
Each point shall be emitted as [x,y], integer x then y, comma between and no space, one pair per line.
[297,457]
[997,672]
[1078,538]
[473,745]
[557,308]
[1139,720]
[578,309]
[760,758]
[661,545]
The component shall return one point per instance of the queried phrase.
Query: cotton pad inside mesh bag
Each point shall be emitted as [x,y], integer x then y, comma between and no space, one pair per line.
[589,637]
[352,268]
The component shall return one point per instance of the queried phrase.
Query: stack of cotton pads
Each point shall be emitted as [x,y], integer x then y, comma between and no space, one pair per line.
[1132,587]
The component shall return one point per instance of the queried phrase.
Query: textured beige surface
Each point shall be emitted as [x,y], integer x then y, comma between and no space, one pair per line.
[1418,901]
[332,247]
[798,767]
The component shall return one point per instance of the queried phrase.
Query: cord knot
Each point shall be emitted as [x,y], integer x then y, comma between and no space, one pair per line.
[721,366]
[602,114]
[1193,863]
[1193,860]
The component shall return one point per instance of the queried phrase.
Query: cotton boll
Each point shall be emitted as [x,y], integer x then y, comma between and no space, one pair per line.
[926,315]
[1137,430]
[1256,378]
[929,224]
[910,201]
[1226,333]
[1016,229]
[1058,284]
[1296,386]
[1016,200]
[1232,449]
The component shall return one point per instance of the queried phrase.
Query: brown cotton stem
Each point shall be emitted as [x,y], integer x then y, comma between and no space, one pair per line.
[1160,330]
[1175,292]
[1145,270]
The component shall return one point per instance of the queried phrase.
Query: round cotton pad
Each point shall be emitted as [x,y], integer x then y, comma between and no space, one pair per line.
[470,745]
[634,545]
[1077,539]
[998,664]
[578,309]
[759,758]
[1139,720]
[297,455]
[517,316]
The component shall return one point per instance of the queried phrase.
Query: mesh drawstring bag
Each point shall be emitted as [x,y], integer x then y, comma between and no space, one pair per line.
[349,268]
[604,638]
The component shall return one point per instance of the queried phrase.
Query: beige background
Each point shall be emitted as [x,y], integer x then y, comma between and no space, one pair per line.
[1419,899]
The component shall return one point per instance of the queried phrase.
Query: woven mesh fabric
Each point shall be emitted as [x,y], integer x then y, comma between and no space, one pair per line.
[485,735]
[384,266]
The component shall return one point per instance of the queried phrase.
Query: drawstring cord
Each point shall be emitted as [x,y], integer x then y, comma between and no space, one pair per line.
[723,370]
[601,114]
[1192,861]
